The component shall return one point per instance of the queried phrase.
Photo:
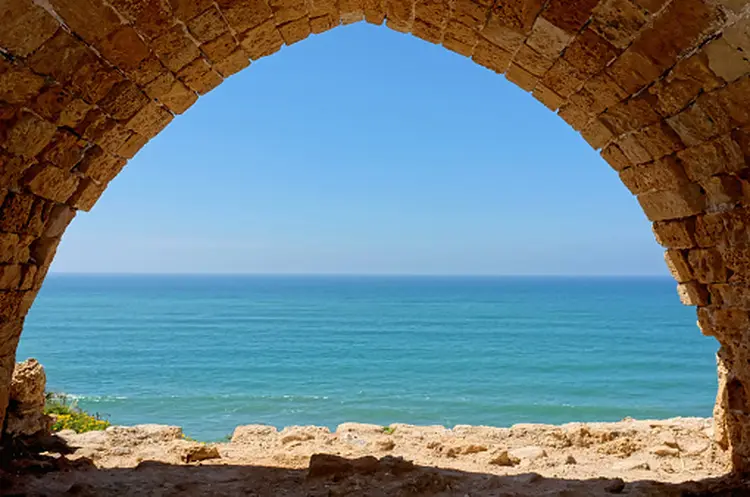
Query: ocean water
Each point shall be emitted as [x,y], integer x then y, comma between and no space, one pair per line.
[212,352]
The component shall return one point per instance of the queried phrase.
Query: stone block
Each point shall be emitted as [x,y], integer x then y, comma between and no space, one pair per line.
[134,143]
[24,26]
[199,76]
[92,20]
[681,26]
[11,305]
[631,114]
[124,48]
[521,77]
[16,212]
[112,136]
[707,265]
[208,25]
[51,102]
[59,218]
[123,101]
[50,182]
[678,234]
[18,85]
[689,77]
[732,101]
[175,48]
[695,125]
[243,15]
[351,11]
[396,25]
[262,41]
[548,39]
[633,70]
[151,17]
[87,194]
[99,165]
[432,12]
[619,21]
[569,15]
[563,78]
[374,12]
[547,97]
[150,120]
[722,191]
[321,24]
[738,35]
[330,8]
[65,150]
[94,82]
[672,204]
[427,32]
[187,9]
[615,157]
[73,113]
[12,168]
[517,14]
[678,265]
[160,86]
[402,11]
[737,260]
[285,11]
[491,56]
[508,38]
[60,57]
[532,61]
[146,71]
[461,38]
[633,150]
[576,117]
[659,140]
[727,295]
[68,60]
[596,134]
[590,53]
[14,248]
[28,135]
[178,98]
[473,14]
[234,63]
[722,155]
[692,293]
[220,48]
[664,174]
[726,61]
[605,92]
[295,31]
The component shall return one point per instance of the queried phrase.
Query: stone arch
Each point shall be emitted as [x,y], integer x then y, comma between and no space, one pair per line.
[661,87]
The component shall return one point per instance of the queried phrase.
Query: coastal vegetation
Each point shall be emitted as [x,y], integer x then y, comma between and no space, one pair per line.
[67,415]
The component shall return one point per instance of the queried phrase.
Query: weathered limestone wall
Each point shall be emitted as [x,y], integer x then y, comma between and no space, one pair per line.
[660,86]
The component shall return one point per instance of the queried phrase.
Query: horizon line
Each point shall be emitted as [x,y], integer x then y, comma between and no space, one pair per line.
[375,275]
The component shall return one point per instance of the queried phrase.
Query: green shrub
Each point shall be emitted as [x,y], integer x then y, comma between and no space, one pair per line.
[388,430]
[68,416]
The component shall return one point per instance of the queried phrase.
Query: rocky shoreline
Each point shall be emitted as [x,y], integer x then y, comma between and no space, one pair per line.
[631,456]
[659,457]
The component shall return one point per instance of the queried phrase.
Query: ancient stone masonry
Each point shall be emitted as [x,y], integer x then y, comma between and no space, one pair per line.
[661,87]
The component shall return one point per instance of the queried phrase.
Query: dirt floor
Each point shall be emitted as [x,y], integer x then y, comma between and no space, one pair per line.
[669,457]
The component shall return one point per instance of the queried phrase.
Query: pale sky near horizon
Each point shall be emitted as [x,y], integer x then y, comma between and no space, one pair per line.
[363,150]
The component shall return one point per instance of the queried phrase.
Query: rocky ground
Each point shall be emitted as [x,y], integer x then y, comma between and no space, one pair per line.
[670,457]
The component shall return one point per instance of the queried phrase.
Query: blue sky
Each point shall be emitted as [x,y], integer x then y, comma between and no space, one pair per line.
[363,150]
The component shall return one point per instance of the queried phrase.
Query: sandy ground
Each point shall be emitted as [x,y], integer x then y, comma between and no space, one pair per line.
[669,457]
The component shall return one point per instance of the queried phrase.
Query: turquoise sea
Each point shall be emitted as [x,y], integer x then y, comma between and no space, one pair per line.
[212,352]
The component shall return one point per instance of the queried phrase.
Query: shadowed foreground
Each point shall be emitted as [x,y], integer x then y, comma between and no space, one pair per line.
[333,476]
[669,457]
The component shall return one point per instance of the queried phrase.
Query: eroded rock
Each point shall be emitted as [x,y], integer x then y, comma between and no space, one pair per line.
[25,416]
